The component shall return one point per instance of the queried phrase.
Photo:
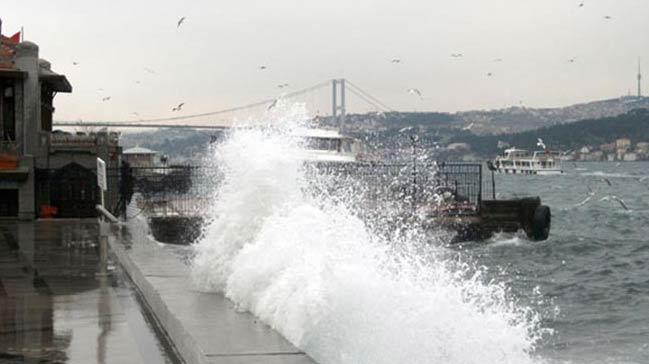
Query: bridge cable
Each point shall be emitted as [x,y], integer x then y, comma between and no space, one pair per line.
[368,95]
[224,111]
[374,104]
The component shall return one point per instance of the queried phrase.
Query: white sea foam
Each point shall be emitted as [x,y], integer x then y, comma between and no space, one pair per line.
[609,175]
[508,239]
[311,269]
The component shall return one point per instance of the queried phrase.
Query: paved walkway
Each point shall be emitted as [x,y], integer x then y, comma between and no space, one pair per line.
[54,310]
[205,328]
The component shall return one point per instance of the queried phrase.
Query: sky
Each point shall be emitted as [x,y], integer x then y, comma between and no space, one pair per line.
[134,52]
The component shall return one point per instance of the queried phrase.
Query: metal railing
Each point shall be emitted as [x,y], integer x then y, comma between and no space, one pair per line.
[188,191]
[168,191]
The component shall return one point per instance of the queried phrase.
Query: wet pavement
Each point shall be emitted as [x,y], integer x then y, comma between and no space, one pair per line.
[55,309]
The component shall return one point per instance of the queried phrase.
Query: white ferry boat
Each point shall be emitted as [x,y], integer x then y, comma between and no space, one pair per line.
[327,145]
[520,161]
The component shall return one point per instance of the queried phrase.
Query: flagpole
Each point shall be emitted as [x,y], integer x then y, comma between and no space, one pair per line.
[22,34]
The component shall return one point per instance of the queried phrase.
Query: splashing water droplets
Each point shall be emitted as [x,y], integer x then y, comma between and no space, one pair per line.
[309,267]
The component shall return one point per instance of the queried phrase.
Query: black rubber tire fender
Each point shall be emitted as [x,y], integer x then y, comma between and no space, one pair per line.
[541,223]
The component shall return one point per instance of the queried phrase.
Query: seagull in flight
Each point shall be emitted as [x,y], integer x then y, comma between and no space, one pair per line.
[180,22]
[581,4]
[272,104]
[75,63]
[615,198]
[262,67]
[395,60]
[571,60]
[457,55]
[282,85]
[414,91]
[179,107]
[591,194]
[498,60]
[489,74]
[621,202]
[608,182]
[608,17]
[539,143]
[469,127]
[104,99]
[149,70]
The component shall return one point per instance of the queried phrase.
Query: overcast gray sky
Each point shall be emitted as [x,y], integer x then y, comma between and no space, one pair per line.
[211,62]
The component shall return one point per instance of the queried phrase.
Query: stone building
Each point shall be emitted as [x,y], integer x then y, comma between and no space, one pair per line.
[40,169]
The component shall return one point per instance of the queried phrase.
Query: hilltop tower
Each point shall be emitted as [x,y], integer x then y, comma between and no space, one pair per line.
[639,79]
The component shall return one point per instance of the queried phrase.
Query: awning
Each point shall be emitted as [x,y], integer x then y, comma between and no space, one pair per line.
[58,83]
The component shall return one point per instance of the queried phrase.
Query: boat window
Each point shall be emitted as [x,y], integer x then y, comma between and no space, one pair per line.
[323,144]
[347,146]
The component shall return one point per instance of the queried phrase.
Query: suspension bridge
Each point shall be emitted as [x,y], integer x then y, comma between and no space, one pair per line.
[222,119]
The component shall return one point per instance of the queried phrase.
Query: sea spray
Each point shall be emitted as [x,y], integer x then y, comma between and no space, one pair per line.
[308,266]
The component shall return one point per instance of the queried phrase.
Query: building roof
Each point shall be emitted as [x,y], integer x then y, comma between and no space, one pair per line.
[139,150]
[57,82]
[8,69]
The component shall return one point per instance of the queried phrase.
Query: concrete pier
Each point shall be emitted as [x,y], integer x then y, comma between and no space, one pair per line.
[204,328]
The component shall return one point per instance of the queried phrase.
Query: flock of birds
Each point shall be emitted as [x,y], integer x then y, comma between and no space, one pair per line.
[412,91]
[148,70]
[592,194]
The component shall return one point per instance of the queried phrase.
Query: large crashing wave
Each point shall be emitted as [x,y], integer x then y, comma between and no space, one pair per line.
[311,269]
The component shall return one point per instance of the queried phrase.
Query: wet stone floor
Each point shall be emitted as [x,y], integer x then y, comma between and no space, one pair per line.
[55,309]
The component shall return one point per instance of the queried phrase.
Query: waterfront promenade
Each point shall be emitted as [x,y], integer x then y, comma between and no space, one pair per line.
[54,308]
[204,327]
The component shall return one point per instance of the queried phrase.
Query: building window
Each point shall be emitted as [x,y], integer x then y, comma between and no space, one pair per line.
[8,203]
[7,112]
[47,98]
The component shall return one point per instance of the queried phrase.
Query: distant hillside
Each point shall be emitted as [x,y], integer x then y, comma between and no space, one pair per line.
[502,121]
[481,129]
[517,119]
[568,136]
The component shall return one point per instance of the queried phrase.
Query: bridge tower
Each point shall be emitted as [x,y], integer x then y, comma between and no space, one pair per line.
[338,111]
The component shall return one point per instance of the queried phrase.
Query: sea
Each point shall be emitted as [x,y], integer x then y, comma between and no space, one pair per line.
[348,290]
[594,268]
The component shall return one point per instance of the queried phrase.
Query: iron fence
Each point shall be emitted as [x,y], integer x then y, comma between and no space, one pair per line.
[168,191]
[189,190]
[71,192]
[437,188]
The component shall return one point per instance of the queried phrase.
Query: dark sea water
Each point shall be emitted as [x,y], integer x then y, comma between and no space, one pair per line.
[593,272]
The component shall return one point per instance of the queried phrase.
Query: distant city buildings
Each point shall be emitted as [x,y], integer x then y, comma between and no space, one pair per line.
[620,150]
